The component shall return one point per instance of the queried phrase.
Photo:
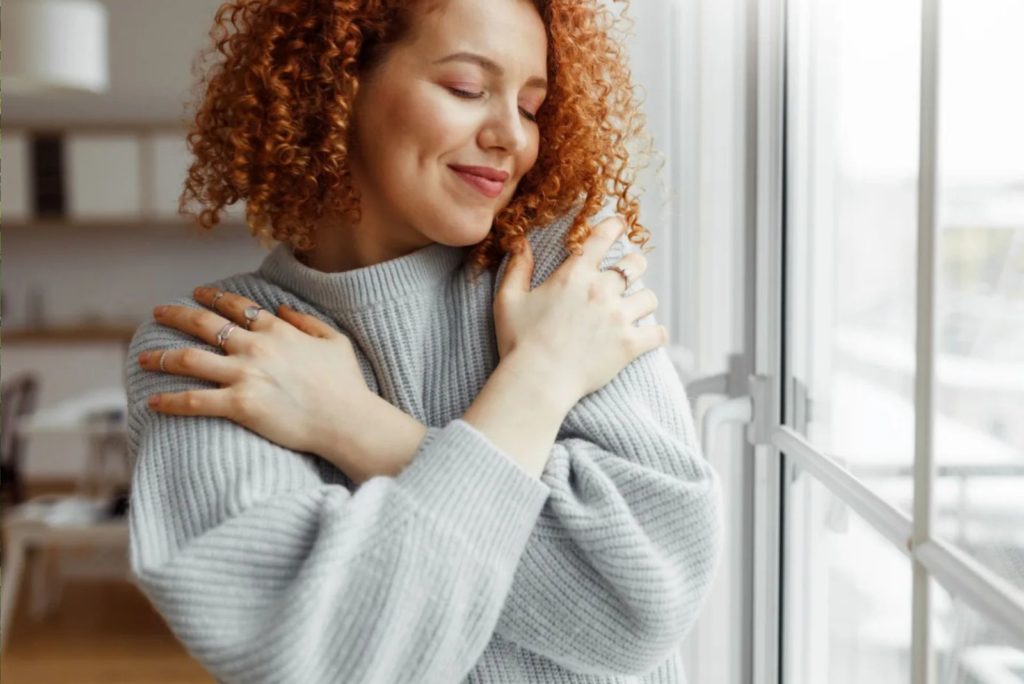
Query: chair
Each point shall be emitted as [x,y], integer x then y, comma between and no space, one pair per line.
[17,399]
[43,522]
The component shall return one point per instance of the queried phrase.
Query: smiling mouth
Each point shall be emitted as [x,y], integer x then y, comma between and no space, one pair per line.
[486,186]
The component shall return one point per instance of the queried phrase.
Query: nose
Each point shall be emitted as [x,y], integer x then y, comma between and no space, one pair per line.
[505,129]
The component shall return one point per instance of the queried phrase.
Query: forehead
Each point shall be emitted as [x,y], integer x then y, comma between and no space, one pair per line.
[511,32]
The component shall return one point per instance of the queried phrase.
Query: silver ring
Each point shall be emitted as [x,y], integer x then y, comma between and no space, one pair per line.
[251,314]
[213,303]
[162,355]
[623,272]
[222,336]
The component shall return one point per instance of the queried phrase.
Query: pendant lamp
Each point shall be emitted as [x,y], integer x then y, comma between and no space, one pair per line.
[53,46]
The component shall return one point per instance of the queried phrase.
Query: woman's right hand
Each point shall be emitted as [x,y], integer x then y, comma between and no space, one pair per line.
[577,326]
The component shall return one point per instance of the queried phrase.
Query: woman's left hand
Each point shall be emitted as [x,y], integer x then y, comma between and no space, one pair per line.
[292,379]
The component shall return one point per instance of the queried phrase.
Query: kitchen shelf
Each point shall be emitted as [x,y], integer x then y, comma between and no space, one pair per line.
[70,334]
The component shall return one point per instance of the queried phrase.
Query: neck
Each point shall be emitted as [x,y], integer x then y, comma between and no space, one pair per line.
[343,246]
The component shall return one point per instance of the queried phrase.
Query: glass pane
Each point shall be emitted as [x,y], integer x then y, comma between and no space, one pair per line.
[970,648]
[847,595]
[851,234]
[979,402]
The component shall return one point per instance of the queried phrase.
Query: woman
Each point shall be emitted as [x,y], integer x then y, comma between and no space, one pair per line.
[407,474]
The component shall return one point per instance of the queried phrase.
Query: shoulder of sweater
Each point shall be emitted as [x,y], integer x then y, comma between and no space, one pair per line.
[151,335]
[549,250]
[251,285]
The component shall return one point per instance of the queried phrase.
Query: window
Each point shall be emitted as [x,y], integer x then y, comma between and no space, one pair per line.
[857,112]
[852,109]
[847,592]
[979,393]
[807,178]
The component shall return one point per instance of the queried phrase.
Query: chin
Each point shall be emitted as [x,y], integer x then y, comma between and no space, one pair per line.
[470,231]
[471,237]
[463,228]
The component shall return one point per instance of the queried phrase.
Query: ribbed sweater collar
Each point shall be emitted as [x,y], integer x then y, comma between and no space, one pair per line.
[360,288]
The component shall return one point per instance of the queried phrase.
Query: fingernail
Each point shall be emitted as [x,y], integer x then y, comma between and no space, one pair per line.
[154,400]
[143,357]
[159,311]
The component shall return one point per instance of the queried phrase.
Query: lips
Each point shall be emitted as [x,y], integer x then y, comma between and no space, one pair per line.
[490,182]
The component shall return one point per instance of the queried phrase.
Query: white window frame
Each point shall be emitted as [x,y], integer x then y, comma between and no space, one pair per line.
[931,557]
[777,447]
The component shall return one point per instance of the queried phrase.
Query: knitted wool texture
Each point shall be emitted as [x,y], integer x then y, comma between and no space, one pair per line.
[271,566]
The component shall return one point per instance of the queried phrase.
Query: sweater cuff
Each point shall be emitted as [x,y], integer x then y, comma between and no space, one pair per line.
[459,478]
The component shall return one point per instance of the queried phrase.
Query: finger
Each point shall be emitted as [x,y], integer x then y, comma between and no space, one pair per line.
[602,237]
[201,323]
[519,272]
[233,307]
[196,363]
[307,323]
[640,304]
[208,402]
[648,338]
[634,263]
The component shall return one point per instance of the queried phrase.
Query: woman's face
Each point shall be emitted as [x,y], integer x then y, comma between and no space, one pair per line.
[461,92]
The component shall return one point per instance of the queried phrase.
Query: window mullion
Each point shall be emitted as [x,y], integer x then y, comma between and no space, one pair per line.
[922,652]
[766,68]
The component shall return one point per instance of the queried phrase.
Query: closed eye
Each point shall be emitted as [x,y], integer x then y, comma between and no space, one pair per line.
[467,95]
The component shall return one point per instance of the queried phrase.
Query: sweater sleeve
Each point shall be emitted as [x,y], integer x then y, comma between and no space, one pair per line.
[268,573]
[624,552]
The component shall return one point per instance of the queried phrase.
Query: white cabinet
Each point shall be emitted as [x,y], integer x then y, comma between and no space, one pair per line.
[170,160]
[14,175]
[102,174]
[131,176]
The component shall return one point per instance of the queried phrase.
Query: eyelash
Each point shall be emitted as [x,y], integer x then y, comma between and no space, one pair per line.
[465,94]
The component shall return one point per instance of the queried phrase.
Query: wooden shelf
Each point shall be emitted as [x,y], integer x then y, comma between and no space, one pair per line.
[71,334]
[100,177]
[159,223]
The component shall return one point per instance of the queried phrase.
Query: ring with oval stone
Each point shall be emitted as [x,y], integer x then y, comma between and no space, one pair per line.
[251,314]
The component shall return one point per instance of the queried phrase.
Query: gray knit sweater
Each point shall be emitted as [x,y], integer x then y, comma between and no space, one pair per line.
[272,567]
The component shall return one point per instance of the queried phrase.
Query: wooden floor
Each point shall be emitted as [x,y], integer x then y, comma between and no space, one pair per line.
[104,632]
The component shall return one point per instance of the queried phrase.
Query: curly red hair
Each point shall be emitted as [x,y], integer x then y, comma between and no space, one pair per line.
[273,124]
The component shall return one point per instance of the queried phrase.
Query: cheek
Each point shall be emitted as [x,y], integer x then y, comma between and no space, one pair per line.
[434,125]
[528,158]
[532,154]
[396,142]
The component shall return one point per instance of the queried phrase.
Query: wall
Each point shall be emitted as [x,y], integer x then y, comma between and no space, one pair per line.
[108,275]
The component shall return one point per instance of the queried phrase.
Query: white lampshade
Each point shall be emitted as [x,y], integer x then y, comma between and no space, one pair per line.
[54,45]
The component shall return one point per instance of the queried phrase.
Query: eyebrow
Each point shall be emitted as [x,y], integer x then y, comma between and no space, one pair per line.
[489,65]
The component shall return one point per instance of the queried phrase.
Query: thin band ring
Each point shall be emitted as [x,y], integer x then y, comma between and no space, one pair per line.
[162,355]
[213,304]
[222,336]
[623,272]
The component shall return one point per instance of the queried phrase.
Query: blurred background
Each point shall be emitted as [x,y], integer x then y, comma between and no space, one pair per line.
[93,159]
[94,96]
